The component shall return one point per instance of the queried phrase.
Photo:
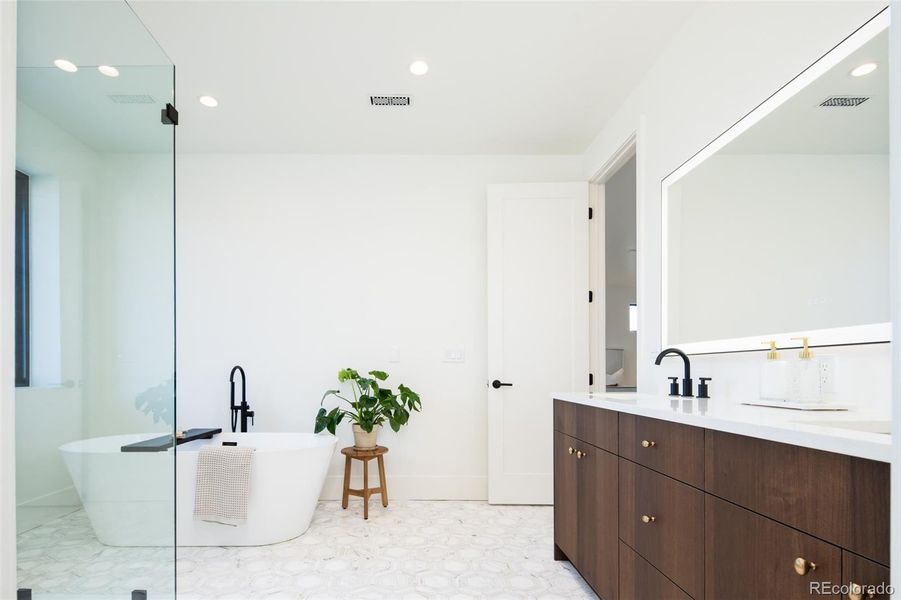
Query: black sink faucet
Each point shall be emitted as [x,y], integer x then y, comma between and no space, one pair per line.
[687,387]
[242,409]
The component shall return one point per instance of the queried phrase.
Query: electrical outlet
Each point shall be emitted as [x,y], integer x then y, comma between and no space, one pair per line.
[827,374]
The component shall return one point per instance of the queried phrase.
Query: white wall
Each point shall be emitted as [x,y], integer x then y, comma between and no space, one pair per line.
[101,300]
[727,59]
[7,298]
[49,412]
[295,266]
[129,312]
[789,242]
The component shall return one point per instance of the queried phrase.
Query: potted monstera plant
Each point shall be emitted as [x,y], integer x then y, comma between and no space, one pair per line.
[371,405]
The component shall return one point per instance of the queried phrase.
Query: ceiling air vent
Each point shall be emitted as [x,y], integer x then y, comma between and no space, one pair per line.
[132,99]
[389,100]
[844,101]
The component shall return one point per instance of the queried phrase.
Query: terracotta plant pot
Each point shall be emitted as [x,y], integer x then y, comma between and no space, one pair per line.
[366,441]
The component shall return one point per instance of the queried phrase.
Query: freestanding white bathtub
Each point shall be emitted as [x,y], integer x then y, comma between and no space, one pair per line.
[129,495]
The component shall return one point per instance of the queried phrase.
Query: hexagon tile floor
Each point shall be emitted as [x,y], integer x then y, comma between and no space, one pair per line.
[412,549]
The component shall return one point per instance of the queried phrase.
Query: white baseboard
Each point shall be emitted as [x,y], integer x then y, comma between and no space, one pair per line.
[67,496]
[415,487]
[399,488]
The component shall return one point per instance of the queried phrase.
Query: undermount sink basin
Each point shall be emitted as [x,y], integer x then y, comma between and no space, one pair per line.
[884,427]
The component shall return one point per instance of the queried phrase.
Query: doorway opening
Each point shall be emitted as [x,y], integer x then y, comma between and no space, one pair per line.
[613,271]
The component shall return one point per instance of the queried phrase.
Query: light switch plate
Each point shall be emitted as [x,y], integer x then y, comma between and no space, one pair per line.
[393,354]
[454,355]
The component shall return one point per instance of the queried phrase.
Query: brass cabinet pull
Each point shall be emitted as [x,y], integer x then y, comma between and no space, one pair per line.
[580,454]
[855,592]
[571,450]
[648,443]
[648,518]
[803,566]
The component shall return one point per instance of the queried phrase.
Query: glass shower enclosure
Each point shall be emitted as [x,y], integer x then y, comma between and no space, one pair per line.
[95,312]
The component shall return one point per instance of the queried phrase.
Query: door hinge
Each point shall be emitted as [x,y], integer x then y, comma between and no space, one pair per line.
[590,296]
[590,213]
[168,115]
[591,379]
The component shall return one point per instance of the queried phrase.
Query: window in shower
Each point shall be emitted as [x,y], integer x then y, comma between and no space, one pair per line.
[23,322]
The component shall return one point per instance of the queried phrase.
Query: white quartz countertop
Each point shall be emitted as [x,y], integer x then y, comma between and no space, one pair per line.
[851,432]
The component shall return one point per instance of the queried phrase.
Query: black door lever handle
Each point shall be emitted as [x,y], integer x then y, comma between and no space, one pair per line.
[498,384]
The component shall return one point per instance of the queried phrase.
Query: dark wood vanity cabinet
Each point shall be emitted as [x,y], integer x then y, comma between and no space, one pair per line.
[598,551]
[865,579]
[566,493]
[671,511]
[663,521]
[749,557]
[670,448]
[839,498]
[585,511]
[600,428]
[639,579]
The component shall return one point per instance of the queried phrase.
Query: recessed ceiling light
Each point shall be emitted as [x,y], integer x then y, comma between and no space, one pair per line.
[65,65]
[108,70]
[419,67]
[864,69]
[208,101]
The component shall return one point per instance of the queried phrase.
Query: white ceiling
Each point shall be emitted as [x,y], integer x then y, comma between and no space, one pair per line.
[81,104]
[91,33]
[85,32]
[802,126]
[505,77]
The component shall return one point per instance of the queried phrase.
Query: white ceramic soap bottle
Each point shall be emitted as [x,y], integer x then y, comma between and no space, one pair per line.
[774,376]
[806,375]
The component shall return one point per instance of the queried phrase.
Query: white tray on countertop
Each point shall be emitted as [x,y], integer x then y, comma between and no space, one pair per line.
[797,405]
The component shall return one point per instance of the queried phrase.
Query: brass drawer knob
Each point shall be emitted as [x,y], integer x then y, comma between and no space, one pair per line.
[855,592]
[648,518]
[803,566]
[648,443]
[580,454]
[571,450]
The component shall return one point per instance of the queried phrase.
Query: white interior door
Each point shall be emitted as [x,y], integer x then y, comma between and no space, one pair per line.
[537,329]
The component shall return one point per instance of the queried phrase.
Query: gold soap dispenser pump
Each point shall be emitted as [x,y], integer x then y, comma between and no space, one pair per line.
[774,376]
[806,385]
[806,353]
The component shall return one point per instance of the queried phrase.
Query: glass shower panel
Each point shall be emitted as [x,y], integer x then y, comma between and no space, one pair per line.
[95,276]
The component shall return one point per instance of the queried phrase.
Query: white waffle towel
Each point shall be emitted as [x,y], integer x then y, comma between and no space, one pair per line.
[223,484]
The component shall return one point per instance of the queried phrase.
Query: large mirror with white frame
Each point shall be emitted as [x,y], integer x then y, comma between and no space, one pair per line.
[780,227]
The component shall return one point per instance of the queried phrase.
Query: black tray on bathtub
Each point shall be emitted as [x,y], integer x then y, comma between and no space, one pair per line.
[161,444]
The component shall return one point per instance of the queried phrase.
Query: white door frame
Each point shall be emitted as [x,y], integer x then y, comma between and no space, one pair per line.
[597,311]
